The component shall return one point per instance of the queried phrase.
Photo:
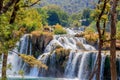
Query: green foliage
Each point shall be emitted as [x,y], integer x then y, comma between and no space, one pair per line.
[9,66]
[89,30]
[76,23]
[29,19]
[75,19]
[96,12]
[118,30]
[12,17]
[86,15]
[43,13]
[21,72]
[71,6]
[53,15]
[118,26]
[59,29]
[7,33]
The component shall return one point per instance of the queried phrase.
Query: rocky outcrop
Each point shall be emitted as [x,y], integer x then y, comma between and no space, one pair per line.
[39,41]
[56,62]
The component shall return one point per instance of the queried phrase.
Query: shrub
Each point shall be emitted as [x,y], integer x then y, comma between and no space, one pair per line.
[59,29]
[90,35]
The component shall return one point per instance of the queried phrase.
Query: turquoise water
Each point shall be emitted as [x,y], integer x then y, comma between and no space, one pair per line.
[40,78]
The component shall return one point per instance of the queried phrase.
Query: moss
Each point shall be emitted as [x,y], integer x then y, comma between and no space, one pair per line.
[61,55]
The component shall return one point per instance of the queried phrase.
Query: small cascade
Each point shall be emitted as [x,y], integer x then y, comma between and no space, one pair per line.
[72,64]
[102,67]
[85,67]
[35,71]
[13,59]
[68,43]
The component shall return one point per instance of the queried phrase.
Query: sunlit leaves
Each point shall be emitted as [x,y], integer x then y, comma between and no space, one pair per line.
[29,18]
[98,11]
[32,61]
[104,17]
[59,29]
[108,6]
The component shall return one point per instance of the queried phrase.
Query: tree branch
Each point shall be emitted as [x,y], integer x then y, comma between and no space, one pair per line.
[16,7]
[15,52]
[1,5]
[6,7]
[34,3]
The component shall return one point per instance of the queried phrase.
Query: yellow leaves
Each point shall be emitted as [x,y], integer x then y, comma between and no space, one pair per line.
[59,29]
[104,17]
[108,6]
[29,17]
[32,61]
[96,13]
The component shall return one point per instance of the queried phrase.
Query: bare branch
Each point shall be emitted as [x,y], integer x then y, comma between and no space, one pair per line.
[34,3]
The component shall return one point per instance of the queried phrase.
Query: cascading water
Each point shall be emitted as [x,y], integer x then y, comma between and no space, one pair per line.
[13,59]
[78,64]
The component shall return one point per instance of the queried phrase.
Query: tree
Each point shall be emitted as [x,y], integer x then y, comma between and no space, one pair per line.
[8,30]
[56,15]
[101,16]
[113,41]
[86,16]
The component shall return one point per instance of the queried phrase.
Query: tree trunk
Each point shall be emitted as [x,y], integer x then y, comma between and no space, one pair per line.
[99,61]
[4,66]
[5,56]
[113,42]
[1,5]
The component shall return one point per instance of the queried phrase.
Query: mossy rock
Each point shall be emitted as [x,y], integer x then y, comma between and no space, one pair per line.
[40,40]
[61,55]
[80,34]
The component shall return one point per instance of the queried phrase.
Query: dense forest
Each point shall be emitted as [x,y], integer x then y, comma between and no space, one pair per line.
[71,6]
[60,39]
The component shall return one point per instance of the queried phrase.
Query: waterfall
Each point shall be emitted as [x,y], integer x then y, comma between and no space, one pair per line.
[72,64]
[13,59]
[78,64]
[84,68]
[67,43]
